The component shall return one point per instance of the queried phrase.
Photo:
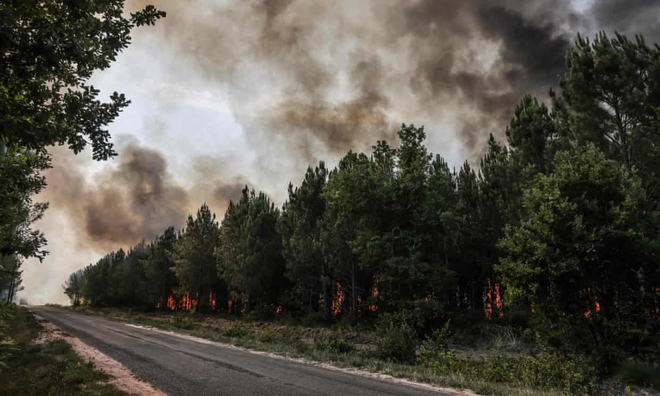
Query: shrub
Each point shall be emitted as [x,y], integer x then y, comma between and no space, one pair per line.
[567,374]
[237,330]
[333,343]
[183,323]
[435,353]
[267,336]
[7,345]
[397,341]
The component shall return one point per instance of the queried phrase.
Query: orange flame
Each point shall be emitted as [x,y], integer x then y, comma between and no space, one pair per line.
[212,300]
[187,303]
[489,297]
[171,302]
[588,314]
[493,294]
[278,310]
[374,294]
[498,301]
[338,301]
[81,301]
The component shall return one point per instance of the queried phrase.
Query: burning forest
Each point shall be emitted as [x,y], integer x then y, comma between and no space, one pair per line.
[518,201]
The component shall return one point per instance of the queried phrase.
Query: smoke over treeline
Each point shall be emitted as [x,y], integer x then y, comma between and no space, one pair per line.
[308,80]
[339,74]
[136,199]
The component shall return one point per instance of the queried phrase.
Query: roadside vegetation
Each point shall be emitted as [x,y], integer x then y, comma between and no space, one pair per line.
[32,366]
[499,360]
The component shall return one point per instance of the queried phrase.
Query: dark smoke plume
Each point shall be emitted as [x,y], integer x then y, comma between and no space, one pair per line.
[135,200]
[294,55]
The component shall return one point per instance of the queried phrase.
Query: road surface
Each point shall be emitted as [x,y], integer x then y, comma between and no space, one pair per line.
[183,367]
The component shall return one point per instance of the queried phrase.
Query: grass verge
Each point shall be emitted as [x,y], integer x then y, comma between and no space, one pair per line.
[48,368]
[485,375]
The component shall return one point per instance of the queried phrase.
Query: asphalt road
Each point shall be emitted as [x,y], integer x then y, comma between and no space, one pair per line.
[182,367]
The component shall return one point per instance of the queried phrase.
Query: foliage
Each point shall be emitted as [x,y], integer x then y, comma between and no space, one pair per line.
[73,287]
[237,330]
[397,341]
[582,247]
[194,265]
[20,172]
[7,344]
[333,343]
[50,52]
[249,252]
[51,368]
[300,227]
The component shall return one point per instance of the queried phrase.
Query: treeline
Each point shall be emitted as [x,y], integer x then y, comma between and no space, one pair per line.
[556,230]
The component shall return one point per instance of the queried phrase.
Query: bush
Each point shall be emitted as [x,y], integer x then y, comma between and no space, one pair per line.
[7,344]
[183,323]
[285,335]
[569,374]
[552,372]
[435,353]
[397,341]
[640,374]
[237,330]
[333,343]
[267,336]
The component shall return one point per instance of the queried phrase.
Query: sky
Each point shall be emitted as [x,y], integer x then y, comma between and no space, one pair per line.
[228,93]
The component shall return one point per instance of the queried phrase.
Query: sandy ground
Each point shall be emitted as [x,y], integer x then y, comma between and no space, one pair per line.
[122,378]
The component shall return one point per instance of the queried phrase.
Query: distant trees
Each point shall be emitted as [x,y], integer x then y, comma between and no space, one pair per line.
[73,288]
[194,264]
[301,225]
[249,252]
[161,279]
[560,224]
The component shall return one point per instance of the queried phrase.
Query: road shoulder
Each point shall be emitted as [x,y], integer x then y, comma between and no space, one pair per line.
[120,376]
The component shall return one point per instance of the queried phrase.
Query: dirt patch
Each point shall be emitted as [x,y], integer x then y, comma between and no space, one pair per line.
[122,378]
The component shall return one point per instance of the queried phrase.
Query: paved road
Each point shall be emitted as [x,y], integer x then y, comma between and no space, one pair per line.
[179,366]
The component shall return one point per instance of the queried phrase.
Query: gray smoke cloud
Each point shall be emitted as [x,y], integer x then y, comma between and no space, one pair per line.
[136,199]
[325,78]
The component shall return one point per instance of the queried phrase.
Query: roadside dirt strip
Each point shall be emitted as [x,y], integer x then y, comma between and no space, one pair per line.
[120,376]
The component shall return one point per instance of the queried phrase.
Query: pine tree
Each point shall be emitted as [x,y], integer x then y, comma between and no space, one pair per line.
[194,263]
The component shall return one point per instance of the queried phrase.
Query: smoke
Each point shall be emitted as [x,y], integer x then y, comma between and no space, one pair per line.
[325,77]
[135,200]
[307,80]
[629,17]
